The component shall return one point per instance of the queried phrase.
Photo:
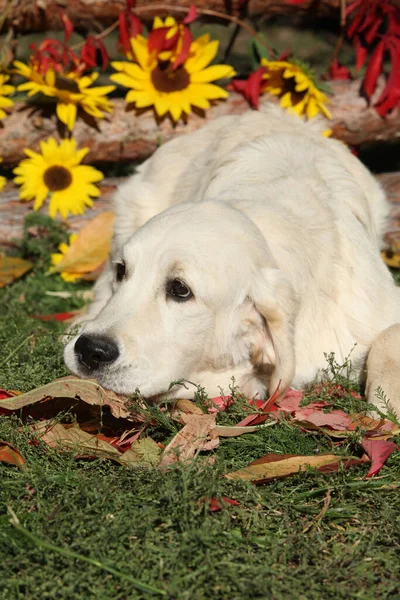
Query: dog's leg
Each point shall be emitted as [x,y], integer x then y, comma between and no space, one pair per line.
[383,368]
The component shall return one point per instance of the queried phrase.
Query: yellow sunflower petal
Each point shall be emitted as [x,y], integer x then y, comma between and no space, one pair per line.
[67,114]
[212,73]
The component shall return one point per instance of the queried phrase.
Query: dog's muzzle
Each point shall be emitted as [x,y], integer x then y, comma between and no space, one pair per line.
[95,351]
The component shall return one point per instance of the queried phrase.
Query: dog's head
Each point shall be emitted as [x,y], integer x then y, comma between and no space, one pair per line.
[197,296]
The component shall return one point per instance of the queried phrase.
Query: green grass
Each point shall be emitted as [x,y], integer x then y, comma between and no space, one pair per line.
[88,529]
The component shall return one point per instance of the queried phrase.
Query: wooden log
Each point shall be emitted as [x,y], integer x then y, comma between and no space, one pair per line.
[128,135]
[41,15]
[13,212]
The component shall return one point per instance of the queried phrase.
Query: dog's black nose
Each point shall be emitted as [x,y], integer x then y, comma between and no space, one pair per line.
[93,351]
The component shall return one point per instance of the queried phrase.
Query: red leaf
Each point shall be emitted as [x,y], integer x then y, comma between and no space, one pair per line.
[157,39]
[390,96]
[361,53]
[295,1]
[219,404]
[291,401]
[130,4]
[265,409]
[374,69]
[129,27]
[186,43]
[67,24]
[191,16]
[338,71]
[88,52]
[215,504]
[6,394]
[371,34]
[65,316]
[378,451]
[336,419]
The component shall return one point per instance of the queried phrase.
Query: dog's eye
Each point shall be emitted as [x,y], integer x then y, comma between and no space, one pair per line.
[178,290]
[120,271]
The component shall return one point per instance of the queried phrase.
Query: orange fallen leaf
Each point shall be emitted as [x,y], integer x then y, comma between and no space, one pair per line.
[90,249]
[276,466]
[11,455]
[12,268]
[199,433]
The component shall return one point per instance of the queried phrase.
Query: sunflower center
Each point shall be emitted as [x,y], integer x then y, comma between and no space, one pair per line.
[57,178]
[290,86]
[167,79]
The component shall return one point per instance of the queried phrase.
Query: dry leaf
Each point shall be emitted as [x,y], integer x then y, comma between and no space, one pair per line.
[236,430]
[142,453]
[87,390]
[57,435]
[10,455]
[90,249]
[199,433]
[12,268]
[276,466]
[184,407]
[310,418]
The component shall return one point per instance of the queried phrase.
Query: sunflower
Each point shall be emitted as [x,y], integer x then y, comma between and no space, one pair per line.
[3,180]
[71,91]
[57,173]
[56,258]
[5,90]
[154,81]
[295,87]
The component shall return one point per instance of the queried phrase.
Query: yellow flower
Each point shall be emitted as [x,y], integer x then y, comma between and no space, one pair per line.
[56,258]
[154,82]
[5,90]
[70,90]
[57,173]
[295,88]
[3,180]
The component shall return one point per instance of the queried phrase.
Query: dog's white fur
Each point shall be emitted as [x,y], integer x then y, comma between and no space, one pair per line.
[277,231]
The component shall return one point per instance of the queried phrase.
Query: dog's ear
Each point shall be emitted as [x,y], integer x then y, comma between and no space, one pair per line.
[274,299]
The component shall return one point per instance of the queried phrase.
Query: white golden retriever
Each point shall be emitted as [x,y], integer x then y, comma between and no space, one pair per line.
[247,249]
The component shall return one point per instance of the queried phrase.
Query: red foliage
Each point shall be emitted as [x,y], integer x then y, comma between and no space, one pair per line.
[129,27]
[59,56]
[374,29]
[251,87]
[159,41]
[338,71]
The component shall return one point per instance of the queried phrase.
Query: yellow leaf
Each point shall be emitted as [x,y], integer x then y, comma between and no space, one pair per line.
[276,466]
[142,453]
[90,249]
[12,268]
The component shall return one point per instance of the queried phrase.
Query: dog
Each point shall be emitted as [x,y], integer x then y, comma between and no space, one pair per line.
[248,249]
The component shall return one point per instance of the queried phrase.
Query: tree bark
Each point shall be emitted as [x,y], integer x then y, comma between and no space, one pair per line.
[41,15]
[128,135]
[13,211]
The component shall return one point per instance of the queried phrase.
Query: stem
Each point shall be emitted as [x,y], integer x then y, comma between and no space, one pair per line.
[43,543]
[342,23]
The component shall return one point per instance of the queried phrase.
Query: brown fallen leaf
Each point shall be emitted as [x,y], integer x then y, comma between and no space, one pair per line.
[199,433]
[12,268]
[182,407]
[276,466]
[87,390]
[90,249]
[10,455]
[57,435]
[142,453]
